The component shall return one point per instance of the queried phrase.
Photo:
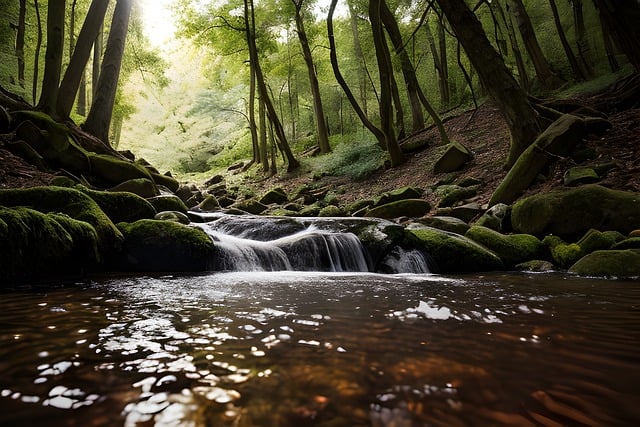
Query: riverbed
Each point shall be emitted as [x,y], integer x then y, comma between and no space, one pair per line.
[322,349]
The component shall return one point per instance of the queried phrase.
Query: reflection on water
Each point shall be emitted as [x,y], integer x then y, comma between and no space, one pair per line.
[330,349]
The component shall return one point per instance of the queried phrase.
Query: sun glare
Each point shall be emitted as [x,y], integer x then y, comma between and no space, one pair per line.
[158,21]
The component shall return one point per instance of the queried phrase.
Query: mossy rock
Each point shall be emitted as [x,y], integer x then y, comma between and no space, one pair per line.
[454,158]
[331,211]
[512,249]
[575,211]
[612,263]
[447,223]
[398,194]
[497,217]
[71,202]
[121,206]
[114,171]
[536,265]
[453,253]
[310,210]
[580,175]
[167,203]
[414,208]
[209,204]
[142,187]
[38,245]
[595,240]
[174,216]
[630,243]
[152,245]
[252,206]
[563,254]
[359,205]
[166,181]
[276,195]
[452,194]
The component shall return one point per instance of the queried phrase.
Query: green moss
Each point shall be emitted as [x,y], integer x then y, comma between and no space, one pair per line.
[120,206]
[630,243]
[168,203]
[166,181]
[331,211]
[409,207]
[152,245]
[563,254]
[613,263]
[512,249]
[114,171]
[594,240]
[454,253]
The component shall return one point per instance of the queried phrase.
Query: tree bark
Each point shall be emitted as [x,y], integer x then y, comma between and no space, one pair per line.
[36,60]
[318,110]
[511,99]
[584,51]
[97,61]
[548,79]
[99,118]
[608,46]
[622,17]
[443,85]
[523,76]
[75,71]
[20,41]
[264,151]
[257,154]
[357,50]
[578,74]
[53,55]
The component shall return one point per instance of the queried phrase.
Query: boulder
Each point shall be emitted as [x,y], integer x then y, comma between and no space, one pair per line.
[174,216]
[563,254]
[580,175]
[465,212]
[142,187]
[454,158]
[120,206]
[398,194]
[408,207]
[331,211]
[275,195]
[167,203]
[114,171]
[497,217]
[167,181]
[536,265]
[446,223]
[613,263]
[557,140]
[453,253]
[209,204]
[512,248]
[630,243]
[575,211]
[594,240]
[168,246]
[252,206]
[453,194]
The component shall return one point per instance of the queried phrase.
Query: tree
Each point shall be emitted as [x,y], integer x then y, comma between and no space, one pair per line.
[53,55]
[75,71]
[318,110]
[99,117]
[578,73]
[20,41]
[36,61]
[621,18]
[511,99]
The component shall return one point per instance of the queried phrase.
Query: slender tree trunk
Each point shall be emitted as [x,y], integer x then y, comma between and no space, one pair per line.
[20,41]
[264,151]
[36,60]
[609,46]
[80,56]
[578,74]
[523,75]
[385,72]
[548,79]
[81,105]
[442,81]
[257,151]
[444,63]
[511,99]
[97,61]
[584,51]
[99,118]
[53,55]
[72,27]
[622,17]
[318,110]
[357,50]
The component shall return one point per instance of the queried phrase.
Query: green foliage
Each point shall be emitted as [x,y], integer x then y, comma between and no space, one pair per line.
[356,159]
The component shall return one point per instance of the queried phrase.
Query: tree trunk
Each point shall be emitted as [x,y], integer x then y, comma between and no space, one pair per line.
[584,51]
[257,154]
[444,63]
[53,55]
[81,105]
[75,71]
[511,99]
[547,77]
[442,81]
[20,42]
[622,17]
[264,151]
[357,50]
[99,118]
[608,46]
[262,87]
[97,61]
[578,74]
[318,110]
[385,72]
[523,76]
[36,60]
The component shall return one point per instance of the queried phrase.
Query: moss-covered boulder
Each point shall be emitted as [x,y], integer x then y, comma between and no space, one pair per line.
[251,206]
[310,210]
[166,181]
[536,265]
[594,240]
[413,208]
[275,195]
[447,223]
[37,245]
[142,187]
[331,211]
[512,249]
[208,204]
[630,243]
[174,216]
[454,158]
[121,206]
[453,194]
[613,263]
[114,171]
[573,212]
[152,245]
[453,253]
[71,202]
[563,254]
[167,203]
[402,193]
[497,217]
[580,175]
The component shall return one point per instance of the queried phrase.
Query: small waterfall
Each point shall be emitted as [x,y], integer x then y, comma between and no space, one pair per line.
[400,260]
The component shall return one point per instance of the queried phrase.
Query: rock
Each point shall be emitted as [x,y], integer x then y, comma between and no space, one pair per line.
[536,265]
[512,249]
[466,212]
[398,194]
[142,187]
[275,195]
[452,194]
[216,179]
[594,240]
[453,253]
[634,233]
[310,210]
[120,206]
[184,192]
[580,175]
[167,181]
[557,140]
[22,149]
[454,158]
[446,223]
[468,181]
[114,171]
[496,218]
[563,254]
[168,203]
[359,205]
[575,211]
[331,211]
[408,207]
[152,245]
[613,263]
[209,204]
[630,243]
[174,216]
[252,206]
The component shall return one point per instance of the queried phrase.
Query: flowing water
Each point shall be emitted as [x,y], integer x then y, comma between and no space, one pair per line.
[322,349]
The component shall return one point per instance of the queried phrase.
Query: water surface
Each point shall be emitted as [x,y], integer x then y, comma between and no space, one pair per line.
[322,349]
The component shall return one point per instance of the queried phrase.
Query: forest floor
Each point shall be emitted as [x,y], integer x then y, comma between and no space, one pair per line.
[483,131]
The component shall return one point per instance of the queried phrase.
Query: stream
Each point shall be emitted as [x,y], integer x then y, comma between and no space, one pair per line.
[322,349]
